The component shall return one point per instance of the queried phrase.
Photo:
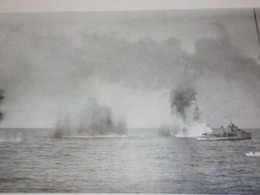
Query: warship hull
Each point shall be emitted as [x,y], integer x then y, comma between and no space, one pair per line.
[222,138]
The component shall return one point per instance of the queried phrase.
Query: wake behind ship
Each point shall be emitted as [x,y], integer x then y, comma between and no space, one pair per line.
[231,133]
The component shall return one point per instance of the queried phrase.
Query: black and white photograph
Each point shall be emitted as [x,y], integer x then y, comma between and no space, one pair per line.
[130,101]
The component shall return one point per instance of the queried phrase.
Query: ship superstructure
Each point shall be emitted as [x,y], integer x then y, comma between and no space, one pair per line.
[232,132]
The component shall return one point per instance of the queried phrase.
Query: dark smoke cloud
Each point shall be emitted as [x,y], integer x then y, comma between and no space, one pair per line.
[44,61]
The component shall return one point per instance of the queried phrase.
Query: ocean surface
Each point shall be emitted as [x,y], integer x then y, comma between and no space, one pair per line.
[32,161]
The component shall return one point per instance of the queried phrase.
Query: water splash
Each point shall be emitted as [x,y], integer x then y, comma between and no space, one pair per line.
[99,120]
[94,120]
[186,112]
[184,103]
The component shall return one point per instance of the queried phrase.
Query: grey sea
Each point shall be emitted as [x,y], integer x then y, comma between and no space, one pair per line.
[32,161]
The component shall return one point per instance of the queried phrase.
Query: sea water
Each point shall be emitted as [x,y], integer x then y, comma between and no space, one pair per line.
[32,161]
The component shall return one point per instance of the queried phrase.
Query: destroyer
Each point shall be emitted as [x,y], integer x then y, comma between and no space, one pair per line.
[231,133]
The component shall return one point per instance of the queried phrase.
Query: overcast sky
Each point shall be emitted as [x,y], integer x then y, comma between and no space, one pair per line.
[56,63]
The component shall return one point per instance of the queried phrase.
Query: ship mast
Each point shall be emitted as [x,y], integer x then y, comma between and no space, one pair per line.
[229,118]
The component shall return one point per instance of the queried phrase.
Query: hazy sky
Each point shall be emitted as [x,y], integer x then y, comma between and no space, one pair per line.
[56,63]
